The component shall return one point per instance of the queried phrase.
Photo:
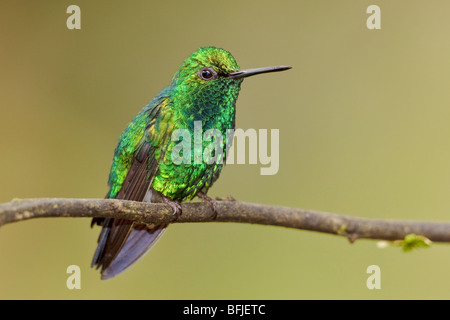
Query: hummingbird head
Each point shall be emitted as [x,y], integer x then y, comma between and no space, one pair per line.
[208,64]
[205,69]
[208,82]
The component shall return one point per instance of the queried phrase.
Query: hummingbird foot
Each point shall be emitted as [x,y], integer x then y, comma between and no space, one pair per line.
[211,202]
[176,206]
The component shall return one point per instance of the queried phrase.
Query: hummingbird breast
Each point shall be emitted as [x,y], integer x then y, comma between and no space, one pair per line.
[205,125]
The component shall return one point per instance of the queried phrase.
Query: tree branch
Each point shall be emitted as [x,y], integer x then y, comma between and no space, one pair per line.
[228,211]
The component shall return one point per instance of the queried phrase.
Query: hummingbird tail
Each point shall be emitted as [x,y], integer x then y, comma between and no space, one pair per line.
[123,242]
[140,240]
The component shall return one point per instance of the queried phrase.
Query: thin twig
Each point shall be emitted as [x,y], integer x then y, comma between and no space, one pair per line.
[228,211]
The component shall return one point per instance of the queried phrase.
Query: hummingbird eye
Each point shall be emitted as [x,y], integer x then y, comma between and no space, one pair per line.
[207,73]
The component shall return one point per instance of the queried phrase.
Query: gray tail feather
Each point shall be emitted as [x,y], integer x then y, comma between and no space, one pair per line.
[139,241]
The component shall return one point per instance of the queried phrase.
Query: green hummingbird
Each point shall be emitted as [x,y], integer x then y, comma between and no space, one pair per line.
[205,88]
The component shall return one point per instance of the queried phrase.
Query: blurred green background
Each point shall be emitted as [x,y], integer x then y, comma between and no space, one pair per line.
[364,130]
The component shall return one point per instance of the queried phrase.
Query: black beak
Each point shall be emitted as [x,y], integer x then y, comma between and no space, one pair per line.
[251,72]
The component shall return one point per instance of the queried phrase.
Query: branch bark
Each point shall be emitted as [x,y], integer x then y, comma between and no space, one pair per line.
[228,211]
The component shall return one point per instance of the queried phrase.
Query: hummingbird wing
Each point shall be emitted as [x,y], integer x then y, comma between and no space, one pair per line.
[122,242]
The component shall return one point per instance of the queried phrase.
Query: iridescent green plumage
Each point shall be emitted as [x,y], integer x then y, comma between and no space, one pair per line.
[204,90]
[187,99]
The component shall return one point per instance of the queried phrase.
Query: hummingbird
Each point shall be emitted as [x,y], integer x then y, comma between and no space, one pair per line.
[205,88]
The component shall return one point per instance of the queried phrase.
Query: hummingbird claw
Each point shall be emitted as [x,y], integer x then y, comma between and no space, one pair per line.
[211,202]
[176,206]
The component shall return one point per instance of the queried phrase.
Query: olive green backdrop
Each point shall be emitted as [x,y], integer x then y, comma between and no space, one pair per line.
[364,131]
